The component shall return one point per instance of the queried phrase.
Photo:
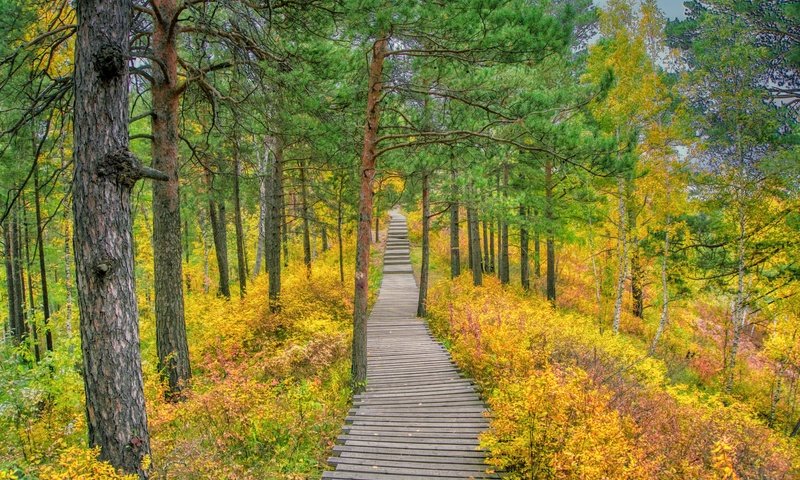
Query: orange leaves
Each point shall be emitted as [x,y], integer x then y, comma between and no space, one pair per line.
[570,402]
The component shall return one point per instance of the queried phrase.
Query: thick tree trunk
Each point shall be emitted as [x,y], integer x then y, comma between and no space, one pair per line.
[367,174]
[275,223]
[173,350]
[503,269]
[550,240]
[241,264]
[455,241]
[48,334]
[426,248]
[324,238]
[524,267]
[105,172]
[304,211]
[474,241]
[622,254]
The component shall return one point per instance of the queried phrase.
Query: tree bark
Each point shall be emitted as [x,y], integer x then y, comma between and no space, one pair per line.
[524,268]
[550,230]
[19,276]
[262,211]
[455,241]
[105,172]
[275,223]
[14,320]
[324,238]
[492,256]
[740,307]
[365,205]
[662,324]
[219,231]
[48,334]
[241,264]
[537,256]
[474,241]
[426,248]
[304,211]
[637,293]
[173,350]
[503,269]
[339,236]
[31,313]
[485,258]
[622,254]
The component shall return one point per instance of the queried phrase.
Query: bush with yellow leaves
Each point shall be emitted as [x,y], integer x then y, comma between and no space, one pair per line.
[570,402]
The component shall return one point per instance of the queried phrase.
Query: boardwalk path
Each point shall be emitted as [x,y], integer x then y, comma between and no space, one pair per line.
[419,418]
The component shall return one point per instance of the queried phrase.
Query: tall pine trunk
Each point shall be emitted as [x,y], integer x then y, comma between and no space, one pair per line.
[11,288]
[550,241]
[474,241]
[241,264]
[262,211]
[367,175]
[492,256]
[485,261]
[622,254]
[426,248]
[105,172]
[524,267]
[339,235]
[33,325]
[304,211]
[275,223]
[48,334]
[219,231]
[455,241]
[173,350]
[637,292]
[503,269]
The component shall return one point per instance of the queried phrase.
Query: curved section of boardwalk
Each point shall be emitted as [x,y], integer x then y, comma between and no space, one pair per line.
[418,418]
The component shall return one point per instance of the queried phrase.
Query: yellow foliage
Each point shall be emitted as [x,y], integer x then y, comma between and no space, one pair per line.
[77,463]
[571,402]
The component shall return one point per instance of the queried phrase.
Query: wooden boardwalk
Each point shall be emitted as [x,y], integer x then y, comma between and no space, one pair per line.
[418,418]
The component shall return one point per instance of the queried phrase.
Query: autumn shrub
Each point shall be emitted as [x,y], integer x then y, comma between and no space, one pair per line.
[570,401]
[268,396]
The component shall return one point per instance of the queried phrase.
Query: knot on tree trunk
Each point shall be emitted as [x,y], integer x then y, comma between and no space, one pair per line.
[103,267]
[121,165]
[109,62]
[126,169]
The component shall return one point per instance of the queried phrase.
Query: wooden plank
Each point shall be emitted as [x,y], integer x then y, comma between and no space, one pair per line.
[419,417]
